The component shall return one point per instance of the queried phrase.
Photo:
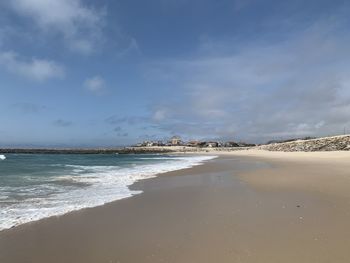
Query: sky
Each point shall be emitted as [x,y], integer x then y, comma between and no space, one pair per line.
[116,72]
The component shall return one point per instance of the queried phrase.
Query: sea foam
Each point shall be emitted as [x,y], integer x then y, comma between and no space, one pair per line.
[2,157]
[99,185]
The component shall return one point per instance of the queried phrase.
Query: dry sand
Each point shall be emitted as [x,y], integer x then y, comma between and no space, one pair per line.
[249,206]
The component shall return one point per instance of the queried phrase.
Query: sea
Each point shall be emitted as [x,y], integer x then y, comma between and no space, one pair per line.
[36,186]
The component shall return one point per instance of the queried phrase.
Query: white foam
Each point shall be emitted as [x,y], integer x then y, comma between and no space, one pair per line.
[2,157]
[104,184]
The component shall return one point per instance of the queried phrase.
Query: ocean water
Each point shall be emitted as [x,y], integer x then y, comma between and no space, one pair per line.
[35,186]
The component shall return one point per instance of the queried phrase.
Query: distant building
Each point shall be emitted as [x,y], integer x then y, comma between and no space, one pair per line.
[175,140]
[149,144]
[193,143]
[212,144]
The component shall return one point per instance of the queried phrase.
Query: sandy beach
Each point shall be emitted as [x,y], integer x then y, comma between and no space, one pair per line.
[245,206]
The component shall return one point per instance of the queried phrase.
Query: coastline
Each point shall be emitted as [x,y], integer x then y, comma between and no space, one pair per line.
[122,150]
[103,183]
[224,210]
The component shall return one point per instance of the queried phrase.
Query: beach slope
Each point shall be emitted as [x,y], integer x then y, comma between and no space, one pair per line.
[249,206]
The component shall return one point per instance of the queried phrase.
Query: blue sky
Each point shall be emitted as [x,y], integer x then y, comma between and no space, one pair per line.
[108,73]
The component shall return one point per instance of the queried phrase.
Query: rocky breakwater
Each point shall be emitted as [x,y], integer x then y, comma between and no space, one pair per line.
[126,150]
[334,143]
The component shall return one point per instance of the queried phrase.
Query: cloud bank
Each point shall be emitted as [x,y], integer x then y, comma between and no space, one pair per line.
[261,90]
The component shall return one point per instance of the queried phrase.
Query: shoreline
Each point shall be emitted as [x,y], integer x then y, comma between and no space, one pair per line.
[223,210]
[190,161]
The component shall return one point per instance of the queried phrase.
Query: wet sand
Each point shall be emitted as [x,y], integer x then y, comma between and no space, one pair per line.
[246,206]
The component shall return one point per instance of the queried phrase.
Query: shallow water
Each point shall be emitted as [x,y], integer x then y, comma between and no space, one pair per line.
[35,186]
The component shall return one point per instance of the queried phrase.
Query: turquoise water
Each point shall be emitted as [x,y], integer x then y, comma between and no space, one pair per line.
[34,186]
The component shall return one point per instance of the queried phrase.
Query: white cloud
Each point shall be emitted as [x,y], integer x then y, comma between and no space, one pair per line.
[95,84]
[79,25]
[263,90]
[34,68]
[160,114]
